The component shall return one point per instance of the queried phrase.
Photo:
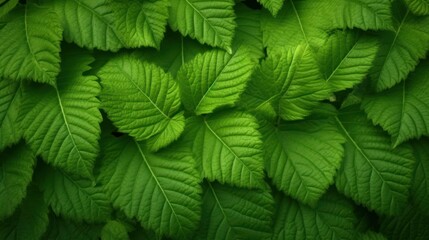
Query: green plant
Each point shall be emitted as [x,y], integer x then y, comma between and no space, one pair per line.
[214,119]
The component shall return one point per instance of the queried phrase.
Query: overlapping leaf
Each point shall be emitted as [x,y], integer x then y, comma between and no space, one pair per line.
[141,100]
[214,79]
[228,148]
[114,230]
[418,7]
[16,171]
[272,5]
[30,46]
[302,157]
[6,6]
[66,229]
[160,190]
[10,104]
[62,123]
[420,183]
[403,110]
[332,218]
[231,213]
[372,173]
[208,21]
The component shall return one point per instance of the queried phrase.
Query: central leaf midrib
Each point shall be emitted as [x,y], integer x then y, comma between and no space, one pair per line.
[219,205]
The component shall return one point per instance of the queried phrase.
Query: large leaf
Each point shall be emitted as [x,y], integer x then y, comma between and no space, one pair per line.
[62,123]
[332,218]
[233,213]
[418,7]
[160,189]
[372,173]
[403,110]
[420,184]
[141,23]
[214,79]
[228,148]
[30,44]
[346,58]
[208,21]
[302,157]
[16,171]
[74,197]
[30,220]
[89,24]
[400,50]
[10,104]
[141,99]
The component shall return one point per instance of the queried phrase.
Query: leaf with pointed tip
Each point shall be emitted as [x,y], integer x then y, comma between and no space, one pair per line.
[30,46]
[141,100]
[16,171]
[228,148]
[141,23]
[160,189]
[62,123]
[214,79]
[420,184]
[10,104]
[208,21]
[30,220]
[302,157]
[273,6]
[403,111]
[331,218]
[345,59]
[373,173]
[418,7]
[232,213]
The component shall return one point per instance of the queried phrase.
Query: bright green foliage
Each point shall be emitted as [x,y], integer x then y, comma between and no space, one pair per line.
[74,197]
[231,213]
[141,23]
[302,157]
[62,123]
[208,21]
[400,50]
[332,218]
[29,221]
[160,190]
[30,44]
[420,184]
[272,5]
[142,100]
[346,58]
[16,171]
[114,230]
[228,148]
[10,103]
[403,110]
[418,7]
[369,155]
[214,79]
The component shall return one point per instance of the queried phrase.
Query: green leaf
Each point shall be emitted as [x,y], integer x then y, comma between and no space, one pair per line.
[6,6]
[160,189]
[346,58]
[208,21]
[114,230]
[141,23]
[302,157]
[272,5]
[293,81]
[68,230]
[420,184]
[30,220]
[228,148]
[400,50]
[332,218]
[10,104]
[418,7]
[214,79]
[373,173]
[16,171]
[62,123]
[234,213]
[141,99]
[370,235]
[403,111]
[74,197]
[30,44]
[89,24]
